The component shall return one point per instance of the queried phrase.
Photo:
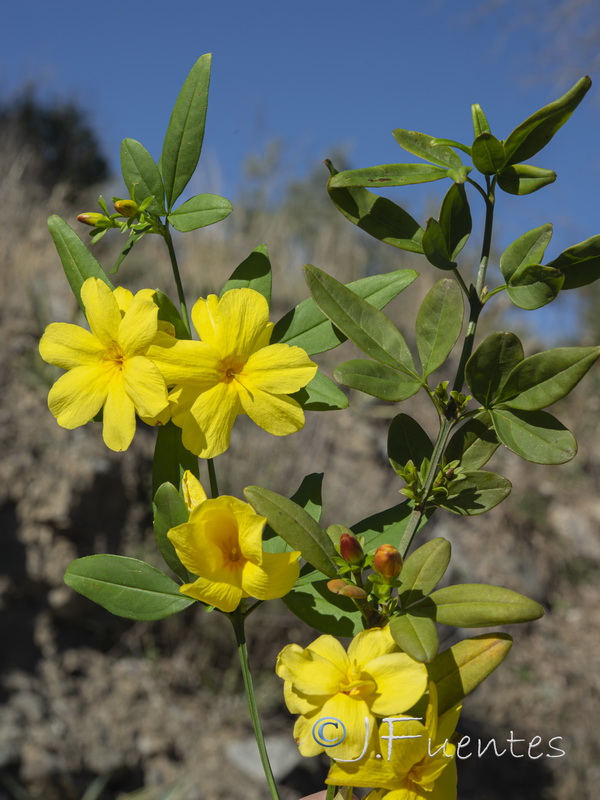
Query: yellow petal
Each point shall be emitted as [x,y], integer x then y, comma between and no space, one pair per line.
[298,703]
[101,309]
[400,680]
[145,386]
[279,369]
[330,648]
[118,426]
[310,673]
[78,396]
[370,644]
[207,428]
[185,361]
[358,722]
[303,736]
[273,578]
[403,754]
[69,346]
[139,326]
[250,530]
[233,325]
[123,297]
[276,414]
[192,490]
[445,786]
[224,596]
[197,552]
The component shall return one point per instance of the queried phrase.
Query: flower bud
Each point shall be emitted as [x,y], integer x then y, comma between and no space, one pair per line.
[339,586]
[387,561]
[91,218]
[126,208]
[350,549]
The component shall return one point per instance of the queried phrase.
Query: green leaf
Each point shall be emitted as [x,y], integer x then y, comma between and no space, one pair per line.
[475,493]
[420,144]
[307,326]
[295,526]
[477,605]
[435,246]
[376,380]
[534,435]
[253,273]
[491,364]
[423,570]
[455,219]
[526,250]
[169,511]
[452,143]
[534,286]
[544,378]
[388,526]
[580,264]
[524,179]
[407,441]
[168,313]
[474,443]
[369,329]
[200,211]
[323,610]
[417,636]
[126,587]
[77,261]
[321,394]
[488,154]
[461,668]
[537,130]
[460,175]
[307,496]
[377,216]
[141,175]
[184,136]
[439,323]
[480,123]
[171,459]
[387,175]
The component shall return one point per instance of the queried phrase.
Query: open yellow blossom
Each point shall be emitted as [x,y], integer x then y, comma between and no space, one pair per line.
[232,370]
[410,760]
[323,682]
[222,544]
[107,366]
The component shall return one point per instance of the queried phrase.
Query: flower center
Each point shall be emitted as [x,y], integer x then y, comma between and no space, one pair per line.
[114,354]
[228,368]
[357,684]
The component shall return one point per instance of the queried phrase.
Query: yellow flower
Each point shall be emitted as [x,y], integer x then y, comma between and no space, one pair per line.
[419,766]
[222,544]
[107,367]
[232,370]
[323,682]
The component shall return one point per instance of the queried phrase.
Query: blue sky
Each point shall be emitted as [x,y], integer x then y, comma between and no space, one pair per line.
[321,74]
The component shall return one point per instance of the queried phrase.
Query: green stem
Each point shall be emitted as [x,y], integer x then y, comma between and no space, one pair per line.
[237,619]
[177,276]
[212,477]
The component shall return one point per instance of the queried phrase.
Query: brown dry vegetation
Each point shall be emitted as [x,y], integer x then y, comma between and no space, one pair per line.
[84,694]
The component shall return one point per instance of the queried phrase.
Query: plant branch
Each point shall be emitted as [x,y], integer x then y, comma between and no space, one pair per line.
[177,276]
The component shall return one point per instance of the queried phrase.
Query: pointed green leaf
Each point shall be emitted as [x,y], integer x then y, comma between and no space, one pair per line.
[423,570]
[452,143]
[321,394]
[309,497]
[526,250]
[313,603]
[455,219]
[169,511]
[417,636]
[420,144]
[435,246]
[537,130]
[545,378]
[171,459]
[407,441]
[461,668]
[387,527]
[534,286]
[480,123]
[126,587]
[369,329]
[579,264]
[77,261]
[534,435]
[488,154]
[200,211]
[477,605]
[307,326]
[388,175]
[141,175]
[524,179]
[475,493]
[491,364]
[253,273]
[377,216]
[439,323]
[377,380]
[295,526]
[474,443]
[184,136]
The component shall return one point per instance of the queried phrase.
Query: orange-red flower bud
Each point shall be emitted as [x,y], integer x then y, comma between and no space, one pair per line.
[126,208]
[387,561]
[339,586]
[350,549]
[91,218]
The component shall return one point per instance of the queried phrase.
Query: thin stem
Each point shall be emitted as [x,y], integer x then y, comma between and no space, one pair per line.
[461,283]
[177,276]
[331,789]
[237,619]
[212,477]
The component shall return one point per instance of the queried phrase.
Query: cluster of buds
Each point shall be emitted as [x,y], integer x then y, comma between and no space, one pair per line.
[451,472]
[128,216]
[450,404]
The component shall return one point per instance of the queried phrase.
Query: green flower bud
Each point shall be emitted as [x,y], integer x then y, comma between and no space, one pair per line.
[127,208]
[91,218]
